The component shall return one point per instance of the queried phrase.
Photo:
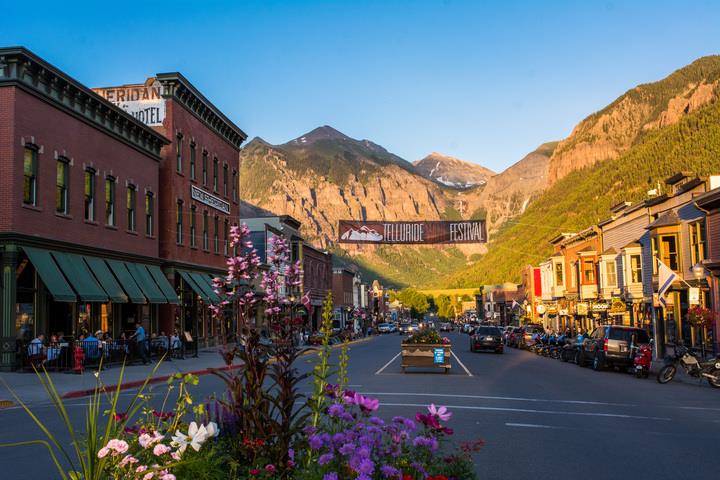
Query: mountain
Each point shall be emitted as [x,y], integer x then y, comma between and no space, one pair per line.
[451,171]
[608,133]
[584,195]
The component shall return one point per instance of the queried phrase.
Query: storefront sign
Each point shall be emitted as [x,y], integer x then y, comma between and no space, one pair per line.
[144,102]
[618,306]
[413,232]
[541,309]
[209,199]
[563,311]
[694,296]
[600,307]
[582,308]
[439,355]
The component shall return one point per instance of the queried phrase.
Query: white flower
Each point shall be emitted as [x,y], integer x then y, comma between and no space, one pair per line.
[212,430]
[195,437]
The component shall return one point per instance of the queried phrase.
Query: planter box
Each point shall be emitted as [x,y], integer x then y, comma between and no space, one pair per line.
[423,355]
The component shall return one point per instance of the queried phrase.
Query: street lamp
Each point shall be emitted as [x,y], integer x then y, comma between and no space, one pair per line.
[698,270]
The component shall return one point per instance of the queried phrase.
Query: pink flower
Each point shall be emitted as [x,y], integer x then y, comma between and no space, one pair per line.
[270,468]
[168,476]
[366,404]
[102,453]
[148,476]
[128,460]
[160,449]
[441,413]
[144,440]
[118,446]
[175,456]
[141,469]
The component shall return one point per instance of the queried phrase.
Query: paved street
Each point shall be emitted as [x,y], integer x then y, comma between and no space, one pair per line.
[540,418]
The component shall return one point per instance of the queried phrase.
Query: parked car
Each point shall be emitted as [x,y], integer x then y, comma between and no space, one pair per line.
[506,334]
[514,337]
[446,327]
[527,335]
[486,338]
[609,346]
[385,328]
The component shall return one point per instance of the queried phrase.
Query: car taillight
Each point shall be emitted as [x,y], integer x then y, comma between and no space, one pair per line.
[605,345]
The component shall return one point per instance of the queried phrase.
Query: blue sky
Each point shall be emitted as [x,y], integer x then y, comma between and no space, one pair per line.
[484,81]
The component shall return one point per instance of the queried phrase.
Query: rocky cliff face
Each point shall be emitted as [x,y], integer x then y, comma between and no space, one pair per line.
[608,133]
[452,172]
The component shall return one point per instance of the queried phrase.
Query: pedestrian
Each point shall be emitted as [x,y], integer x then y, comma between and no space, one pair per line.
[139,337]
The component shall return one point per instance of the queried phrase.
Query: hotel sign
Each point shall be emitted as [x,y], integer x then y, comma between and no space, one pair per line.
[144,102]
[209,199]
[471,231]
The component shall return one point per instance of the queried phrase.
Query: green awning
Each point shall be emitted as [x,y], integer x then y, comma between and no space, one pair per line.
[103,274]
[146,283]
[194,286]
[127,281]
[50,275]
[82,281]
[204,283]
[163,283]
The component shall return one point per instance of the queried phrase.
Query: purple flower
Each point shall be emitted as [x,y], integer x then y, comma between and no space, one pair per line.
[335,410]
[377,421]
[315,442]
[347,449]
[366,466]
[338,439]
[363,452]
[330,476]
[441,413]
[347,417]
[291,454]
[388,471]
[309,430]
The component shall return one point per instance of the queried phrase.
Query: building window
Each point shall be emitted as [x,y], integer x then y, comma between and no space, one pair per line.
[669,252]
[179,222]
[635,269]
[588,268]
[192,160]
[193,241]
[89,195]
[110,201]
[205,230]
[559,275]
[149,213]
[30,176]
[216,236]
[62,185]
[178,152]
[226,234]
[610,273]
[131,208]
[225,180]
[204,167]
[215,174]
[697,242]
[234,185]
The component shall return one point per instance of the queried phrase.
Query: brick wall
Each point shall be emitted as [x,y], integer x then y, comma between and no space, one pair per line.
[177,186]
[57,133]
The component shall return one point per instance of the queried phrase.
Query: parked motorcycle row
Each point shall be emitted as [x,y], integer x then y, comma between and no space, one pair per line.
[619,347]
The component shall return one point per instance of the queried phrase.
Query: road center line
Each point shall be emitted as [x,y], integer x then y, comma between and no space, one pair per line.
[528,410]
[530,425]
[487,397]
[387,364]
[462,365]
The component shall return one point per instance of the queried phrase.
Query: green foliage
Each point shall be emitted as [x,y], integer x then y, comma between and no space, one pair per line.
[416,301]
[425,335]
[321,372]
[450,213]
[584,197]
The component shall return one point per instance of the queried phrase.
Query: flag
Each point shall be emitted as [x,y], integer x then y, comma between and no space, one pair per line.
[305,300]
[515,305]
[666,277]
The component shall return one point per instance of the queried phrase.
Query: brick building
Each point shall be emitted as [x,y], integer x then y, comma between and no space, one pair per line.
[199,201]
[317,281]
[78,208]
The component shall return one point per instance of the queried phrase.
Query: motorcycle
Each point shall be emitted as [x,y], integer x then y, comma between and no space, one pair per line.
[642,360]
[709,369]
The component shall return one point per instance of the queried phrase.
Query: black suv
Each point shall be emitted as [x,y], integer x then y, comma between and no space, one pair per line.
[609,346]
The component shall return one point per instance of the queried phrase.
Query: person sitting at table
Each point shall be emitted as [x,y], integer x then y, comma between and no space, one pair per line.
[36,349]
[53,349]
[91,345]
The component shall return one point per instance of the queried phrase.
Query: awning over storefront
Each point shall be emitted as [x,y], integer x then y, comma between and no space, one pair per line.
[203,281]
[127,281]
[146,283]
[50,275]
[106,279]
[82,281]
[194,286]
[163,283]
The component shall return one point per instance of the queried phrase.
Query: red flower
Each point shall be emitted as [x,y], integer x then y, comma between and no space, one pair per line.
[119,417]
[254,471]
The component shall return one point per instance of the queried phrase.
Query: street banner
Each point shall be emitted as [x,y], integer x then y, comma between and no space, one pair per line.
[431,232]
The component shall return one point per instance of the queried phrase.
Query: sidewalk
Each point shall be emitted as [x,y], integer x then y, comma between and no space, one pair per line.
[71,385]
